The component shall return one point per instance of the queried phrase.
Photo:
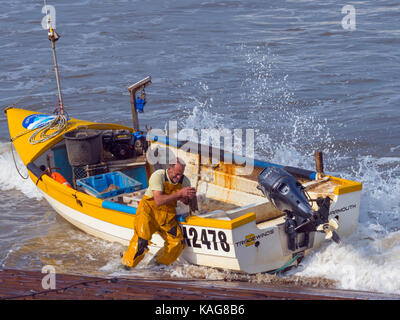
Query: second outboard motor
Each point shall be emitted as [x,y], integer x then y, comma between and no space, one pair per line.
[284,191]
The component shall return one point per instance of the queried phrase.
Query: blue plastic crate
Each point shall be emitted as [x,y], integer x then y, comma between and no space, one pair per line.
[96,185]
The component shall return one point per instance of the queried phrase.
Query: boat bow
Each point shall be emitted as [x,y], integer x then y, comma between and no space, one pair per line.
[20,134]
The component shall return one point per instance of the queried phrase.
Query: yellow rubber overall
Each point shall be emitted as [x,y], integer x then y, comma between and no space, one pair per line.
[151,218]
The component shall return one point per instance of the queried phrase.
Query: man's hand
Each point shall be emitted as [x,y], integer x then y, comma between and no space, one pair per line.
[160,198]
[187,192]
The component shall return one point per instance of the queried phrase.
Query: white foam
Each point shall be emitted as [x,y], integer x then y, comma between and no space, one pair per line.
[359,263]
[9,177]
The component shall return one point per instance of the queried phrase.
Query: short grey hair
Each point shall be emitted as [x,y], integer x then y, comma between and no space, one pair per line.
[174,161]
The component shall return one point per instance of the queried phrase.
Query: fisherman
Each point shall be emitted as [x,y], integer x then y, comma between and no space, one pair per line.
[156,212]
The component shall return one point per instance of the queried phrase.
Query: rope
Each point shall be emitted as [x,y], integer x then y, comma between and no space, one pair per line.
[15,163]
[285,265]
[32,294]
[58,124]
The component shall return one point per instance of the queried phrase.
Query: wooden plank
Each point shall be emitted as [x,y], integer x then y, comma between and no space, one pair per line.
[17,284]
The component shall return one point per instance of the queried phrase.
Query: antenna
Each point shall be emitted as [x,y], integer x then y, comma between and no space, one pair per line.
[53,37]
[54,127]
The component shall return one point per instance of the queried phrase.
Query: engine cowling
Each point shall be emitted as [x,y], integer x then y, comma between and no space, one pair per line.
[284,191]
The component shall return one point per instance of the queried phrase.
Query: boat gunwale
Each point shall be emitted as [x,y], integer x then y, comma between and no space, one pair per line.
[347,186]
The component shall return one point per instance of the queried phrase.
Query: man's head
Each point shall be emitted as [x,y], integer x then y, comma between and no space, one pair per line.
[176,170]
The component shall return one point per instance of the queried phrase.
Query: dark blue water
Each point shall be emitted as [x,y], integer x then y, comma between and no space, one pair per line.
[287,69]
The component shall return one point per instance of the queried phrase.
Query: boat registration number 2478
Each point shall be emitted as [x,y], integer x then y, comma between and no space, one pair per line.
[206,239]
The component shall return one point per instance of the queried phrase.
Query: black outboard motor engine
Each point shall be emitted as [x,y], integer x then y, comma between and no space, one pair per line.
[287,195]
[284,191]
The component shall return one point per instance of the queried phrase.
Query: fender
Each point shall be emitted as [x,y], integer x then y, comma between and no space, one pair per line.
[59,178]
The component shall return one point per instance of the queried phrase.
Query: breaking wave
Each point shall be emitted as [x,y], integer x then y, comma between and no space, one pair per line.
[10,178]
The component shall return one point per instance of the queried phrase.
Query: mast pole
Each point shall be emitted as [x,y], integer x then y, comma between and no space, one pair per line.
[53,37]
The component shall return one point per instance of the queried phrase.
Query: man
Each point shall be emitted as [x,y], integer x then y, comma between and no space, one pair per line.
[156,212]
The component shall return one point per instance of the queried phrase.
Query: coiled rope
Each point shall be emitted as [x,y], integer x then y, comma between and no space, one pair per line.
[59,124]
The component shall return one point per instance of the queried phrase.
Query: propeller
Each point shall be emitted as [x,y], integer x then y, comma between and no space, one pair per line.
[330,230]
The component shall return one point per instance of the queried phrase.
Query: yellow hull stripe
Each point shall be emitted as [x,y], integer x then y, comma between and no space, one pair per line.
[220,224]
[346,186]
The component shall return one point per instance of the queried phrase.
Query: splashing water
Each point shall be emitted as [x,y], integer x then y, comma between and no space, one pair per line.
[199,113]
[9,177]
[370,258]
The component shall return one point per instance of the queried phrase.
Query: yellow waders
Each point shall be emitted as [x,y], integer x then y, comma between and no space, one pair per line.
[151,218]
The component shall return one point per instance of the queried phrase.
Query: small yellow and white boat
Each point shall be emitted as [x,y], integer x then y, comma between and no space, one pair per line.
[247,223]
[94,174]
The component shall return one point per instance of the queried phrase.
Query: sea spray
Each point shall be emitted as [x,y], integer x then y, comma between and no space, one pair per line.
[288,132]
[9,176]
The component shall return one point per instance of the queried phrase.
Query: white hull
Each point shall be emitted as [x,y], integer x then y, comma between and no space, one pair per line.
[249,238]
[236,253]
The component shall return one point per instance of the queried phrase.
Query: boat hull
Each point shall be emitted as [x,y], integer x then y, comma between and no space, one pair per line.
[248,247]
[250,238]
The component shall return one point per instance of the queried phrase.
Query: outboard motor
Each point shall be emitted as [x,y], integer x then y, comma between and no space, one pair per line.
[284,191]
[287,195]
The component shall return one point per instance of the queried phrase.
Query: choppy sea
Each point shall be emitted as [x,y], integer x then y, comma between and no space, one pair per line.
[290,70]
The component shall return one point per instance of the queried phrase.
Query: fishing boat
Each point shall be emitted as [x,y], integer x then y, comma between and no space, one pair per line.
[94,175]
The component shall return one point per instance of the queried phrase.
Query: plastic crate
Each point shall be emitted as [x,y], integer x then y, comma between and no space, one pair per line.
[96,185]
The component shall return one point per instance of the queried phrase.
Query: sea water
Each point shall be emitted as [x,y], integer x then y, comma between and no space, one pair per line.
[290,70]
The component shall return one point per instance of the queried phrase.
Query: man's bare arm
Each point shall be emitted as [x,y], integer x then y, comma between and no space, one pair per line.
[160,198]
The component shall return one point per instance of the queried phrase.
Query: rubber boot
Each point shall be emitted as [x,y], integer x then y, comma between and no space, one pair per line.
[136,252]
